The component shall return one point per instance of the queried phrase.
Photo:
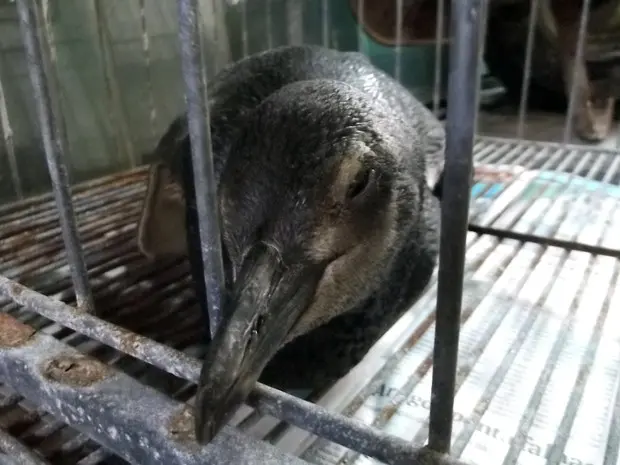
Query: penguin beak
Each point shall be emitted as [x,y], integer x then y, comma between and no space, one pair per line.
[268,299]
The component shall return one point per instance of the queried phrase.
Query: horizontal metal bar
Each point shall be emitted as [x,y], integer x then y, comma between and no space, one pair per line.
[54,144]
[205,188]
[19,453]
[137,346]
[135,421]
[544,240]
[303,414]
[348,432]
[547,144]
[466,23]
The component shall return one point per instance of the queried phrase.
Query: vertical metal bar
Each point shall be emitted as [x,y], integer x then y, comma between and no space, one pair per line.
[215,21]
[578,57]
[244,28]
[49,57]
[326,22]
[527,68]
[482,27]
[399,40]
[115,103]
[295,20]
[466,19]
[54,146]
[360,26]
[146,51]
[9,144]
[268,25]
[194,75]
[439,35]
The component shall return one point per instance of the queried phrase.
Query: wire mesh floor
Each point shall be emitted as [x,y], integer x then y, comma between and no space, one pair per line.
[544,126]
[539,369]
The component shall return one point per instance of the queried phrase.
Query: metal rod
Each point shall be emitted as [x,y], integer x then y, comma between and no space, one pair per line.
[98,457]
[303,414]
[295,20]
[134,421]
[546,241]
[550,144]
[348,432]
[578,63]
[244,29]
[439,36]
[325,23]
[9,143]
[527,68]
[115,101]
[146,52]
[398,52]
[466,19]
[19,453]
[268,26]
[140,347]
[360,27]
[54,145]
[482,37]
[194,75]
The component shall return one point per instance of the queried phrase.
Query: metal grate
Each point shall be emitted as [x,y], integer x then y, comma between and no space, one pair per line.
[586,183]
[157,301]
[103,350]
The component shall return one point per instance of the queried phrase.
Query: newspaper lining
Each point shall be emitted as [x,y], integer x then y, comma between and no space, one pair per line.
[539,363]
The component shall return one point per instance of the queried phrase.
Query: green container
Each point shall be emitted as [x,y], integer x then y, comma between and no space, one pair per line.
[273,22]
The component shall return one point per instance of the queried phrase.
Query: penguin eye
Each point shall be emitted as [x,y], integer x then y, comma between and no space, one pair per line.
[361,182]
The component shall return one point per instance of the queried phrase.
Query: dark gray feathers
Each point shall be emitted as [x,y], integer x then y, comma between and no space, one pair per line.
[286,112]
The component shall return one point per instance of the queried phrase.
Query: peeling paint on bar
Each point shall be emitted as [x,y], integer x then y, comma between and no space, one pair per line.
[123,415]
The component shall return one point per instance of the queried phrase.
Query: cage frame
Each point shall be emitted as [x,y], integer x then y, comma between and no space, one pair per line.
[93,397]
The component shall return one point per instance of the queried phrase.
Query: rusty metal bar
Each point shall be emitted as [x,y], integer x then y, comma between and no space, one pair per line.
[140,347]
[18,452]
[295,20]
[135,421]
[54,146]
[194,75]
[466,19]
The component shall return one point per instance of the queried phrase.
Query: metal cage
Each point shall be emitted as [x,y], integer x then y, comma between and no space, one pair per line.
[74,360]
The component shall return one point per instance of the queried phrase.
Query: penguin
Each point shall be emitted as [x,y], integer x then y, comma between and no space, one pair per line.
[328,175]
